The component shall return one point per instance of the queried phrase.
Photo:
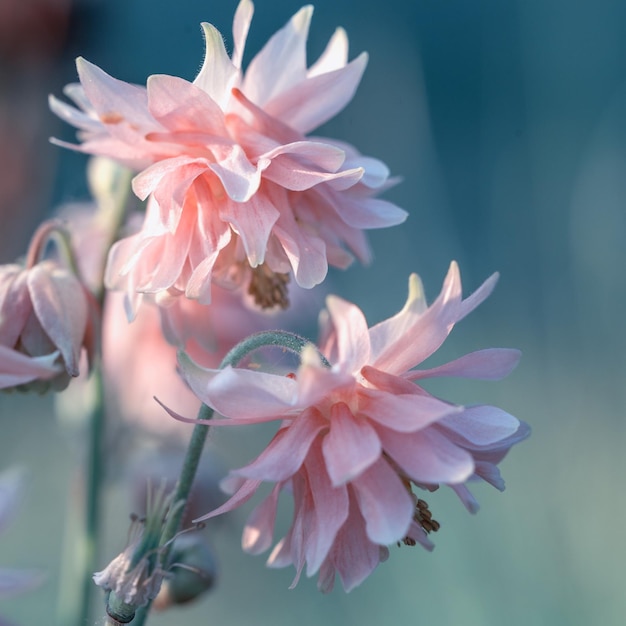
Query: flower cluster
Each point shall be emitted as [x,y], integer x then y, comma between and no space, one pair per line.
[235,198]
[355,437]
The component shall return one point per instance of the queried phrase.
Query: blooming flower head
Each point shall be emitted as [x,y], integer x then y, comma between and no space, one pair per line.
[237,192]
[47,317]
[357,439]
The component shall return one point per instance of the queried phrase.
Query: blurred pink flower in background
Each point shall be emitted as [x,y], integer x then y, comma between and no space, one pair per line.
[357,436]
[237,192]
[13,581]
[47,317]
[139,358]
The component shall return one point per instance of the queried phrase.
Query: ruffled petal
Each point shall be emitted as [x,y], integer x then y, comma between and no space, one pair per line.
[18,369]
[61,307]
[351,446]
[404,413]
[259,530]
[310,103]
[353,343]
[218,74]
[284,455]
[427,456]
[490,364]
[385,503]
[282,61]
[239,393]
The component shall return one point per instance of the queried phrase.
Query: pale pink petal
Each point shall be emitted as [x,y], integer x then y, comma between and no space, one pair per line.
[466,497]
[18,369]
[282,61]
[490,364]
[243,494]
[284,455]
[404,413]
[385,503]
[405,340]
[61,307]
[306,253]
[183,106]
[323,155]
[253,221]
[353,342]
[17,581]
[239,393]
[370,212]
[259,530]
[240,178]
[478,297]
[73,116]
[388,382]
[15,304]
[241,26]
[482,425]
[489,473]
[308,104]
[331,510]
[335,55]
[218,74]
[114,100]
[354,555]
[427,456]
[351,446]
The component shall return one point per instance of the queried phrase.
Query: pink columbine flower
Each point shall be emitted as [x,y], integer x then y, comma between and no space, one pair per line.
[47,317]
[237,190]
[358,438]
[13,581]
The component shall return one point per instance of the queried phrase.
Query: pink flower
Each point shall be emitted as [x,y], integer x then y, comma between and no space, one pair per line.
[13,581]
[46,318]
[356,438]
[147,347]
[236,189]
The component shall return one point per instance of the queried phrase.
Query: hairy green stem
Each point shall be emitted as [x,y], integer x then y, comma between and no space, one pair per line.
[288,341]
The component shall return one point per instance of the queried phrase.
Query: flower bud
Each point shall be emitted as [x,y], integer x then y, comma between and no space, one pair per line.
[193,571]
[46,318]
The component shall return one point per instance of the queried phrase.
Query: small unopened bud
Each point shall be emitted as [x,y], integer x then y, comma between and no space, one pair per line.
[47,317]
[193,572]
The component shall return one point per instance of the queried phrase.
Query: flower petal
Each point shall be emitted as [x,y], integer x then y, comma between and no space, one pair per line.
[385,503]
[239,393]
[259,530]
[482,425]
[353,342]
[284,455]
[282,61]
[218,74]
[18,369]
[490,364]
[308,104]
[404,413]
[427,456]
[61,307]
[351,446]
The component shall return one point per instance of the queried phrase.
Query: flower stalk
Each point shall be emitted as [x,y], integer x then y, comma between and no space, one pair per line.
[286,340]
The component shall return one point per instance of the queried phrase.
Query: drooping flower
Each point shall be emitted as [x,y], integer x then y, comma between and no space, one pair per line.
[237,191]
[357,439]
[47,317]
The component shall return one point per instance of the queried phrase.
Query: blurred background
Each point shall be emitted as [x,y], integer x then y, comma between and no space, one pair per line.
[506,120]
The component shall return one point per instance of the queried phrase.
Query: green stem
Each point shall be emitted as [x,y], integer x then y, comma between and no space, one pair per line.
[81,552]
[289,341]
